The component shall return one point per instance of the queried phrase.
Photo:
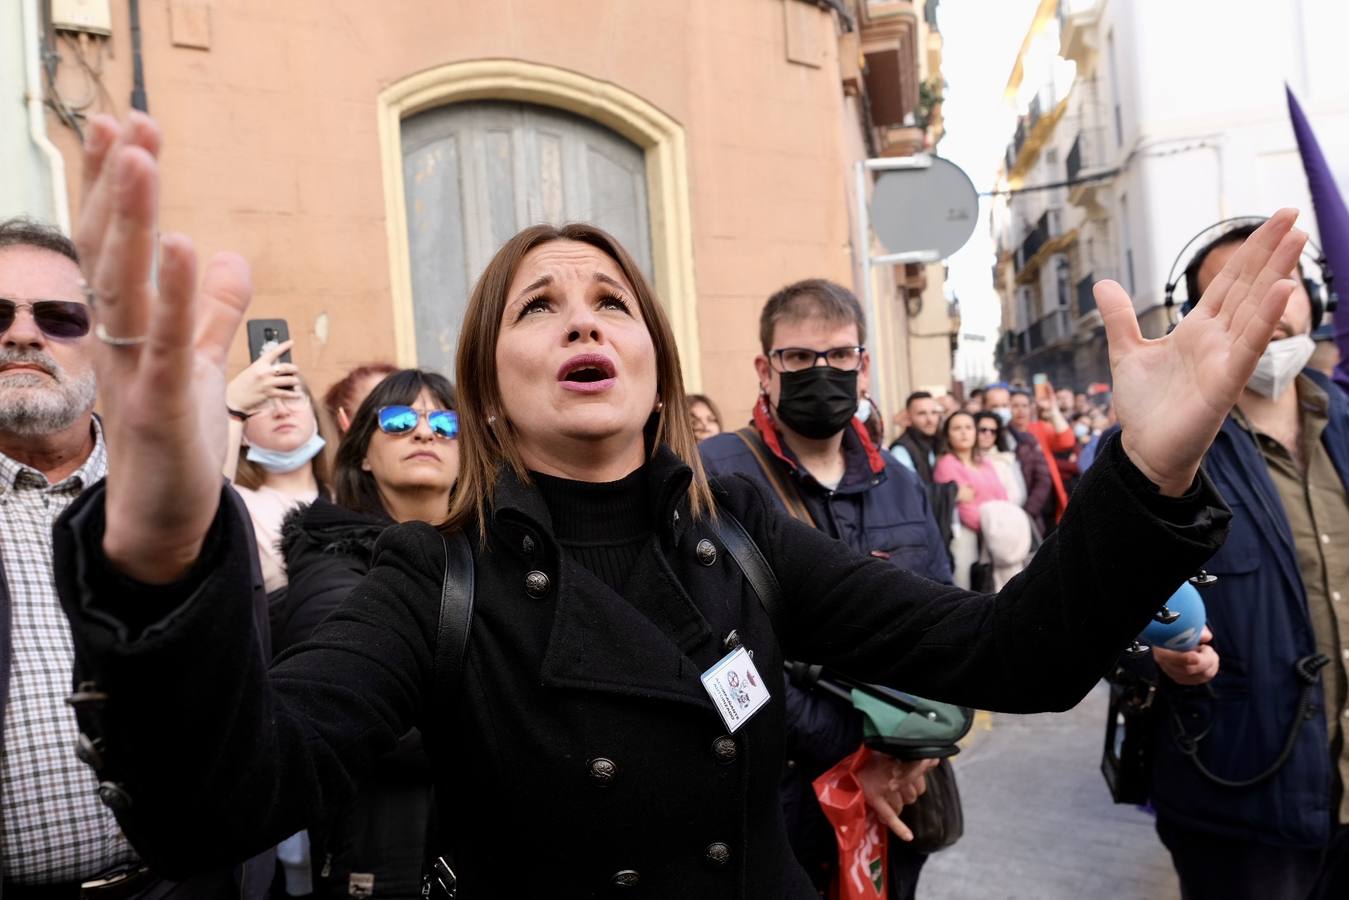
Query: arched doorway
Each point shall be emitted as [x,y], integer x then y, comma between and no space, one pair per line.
[623,113]
[475,173]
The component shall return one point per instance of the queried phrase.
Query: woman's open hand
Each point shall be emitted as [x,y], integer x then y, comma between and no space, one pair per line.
[1173,393]
[163,398]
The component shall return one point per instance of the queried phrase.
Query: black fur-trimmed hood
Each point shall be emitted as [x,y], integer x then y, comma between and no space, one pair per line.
[325,528]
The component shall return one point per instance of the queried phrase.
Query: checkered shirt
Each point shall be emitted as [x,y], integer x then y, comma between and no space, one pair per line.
[55,829]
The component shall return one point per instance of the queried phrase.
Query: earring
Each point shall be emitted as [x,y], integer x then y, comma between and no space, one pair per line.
[660,404]
[491,421]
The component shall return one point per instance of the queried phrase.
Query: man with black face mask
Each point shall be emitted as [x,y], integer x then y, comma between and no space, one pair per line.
[810,453]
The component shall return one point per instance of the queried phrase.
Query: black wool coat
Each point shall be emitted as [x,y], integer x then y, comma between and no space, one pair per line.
[328,550]
[581,754]
[381,836]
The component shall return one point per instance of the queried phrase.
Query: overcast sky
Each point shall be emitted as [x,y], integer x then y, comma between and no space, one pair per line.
[980,42]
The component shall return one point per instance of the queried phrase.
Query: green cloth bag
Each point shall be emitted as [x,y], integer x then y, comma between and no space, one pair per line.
[909,727]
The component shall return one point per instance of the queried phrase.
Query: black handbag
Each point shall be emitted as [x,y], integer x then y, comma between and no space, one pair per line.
[936,818]
[981,577]
[1130,735]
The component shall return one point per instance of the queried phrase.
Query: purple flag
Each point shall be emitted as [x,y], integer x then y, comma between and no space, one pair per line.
[1332,221]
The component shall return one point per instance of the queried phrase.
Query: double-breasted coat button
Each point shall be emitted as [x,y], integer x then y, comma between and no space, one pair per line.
[536,584]
[603,771]
[114,796]
[724,749]
[707,552]
[627,878]
[527,545]
[87,694]
[89,751]
[717,854]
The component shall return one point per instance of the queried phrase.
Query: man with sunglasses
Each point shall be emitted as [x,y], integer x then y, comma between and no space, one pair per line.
[58,835]
[809,451]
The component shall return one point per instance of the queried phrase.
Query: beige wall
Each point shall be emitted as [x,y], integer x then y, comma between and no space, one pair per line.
[272,146]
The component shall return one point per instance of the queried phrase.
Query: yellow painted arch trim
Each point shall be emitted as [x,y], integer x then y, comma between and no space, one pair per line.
[660,136]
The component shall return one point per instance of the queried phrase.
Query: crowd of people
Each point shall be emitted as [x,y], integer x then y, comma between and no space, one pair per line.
[579,746]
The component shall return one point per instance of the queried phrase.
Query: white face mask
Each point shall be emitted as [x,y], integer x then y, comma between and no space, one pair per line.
[1004,414]
[1279,365]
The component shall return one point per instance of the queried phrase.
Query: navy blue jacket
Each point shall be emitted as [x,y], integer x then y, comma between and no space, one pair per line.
[879,508]
[1261,627]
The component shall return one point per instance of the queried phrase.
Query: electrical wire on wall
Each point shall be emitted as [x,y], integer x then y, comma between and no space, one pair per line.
[89,62]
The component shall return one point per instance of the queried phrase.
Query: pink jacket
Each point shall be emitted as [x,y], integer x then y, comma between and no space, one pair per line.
[983,478]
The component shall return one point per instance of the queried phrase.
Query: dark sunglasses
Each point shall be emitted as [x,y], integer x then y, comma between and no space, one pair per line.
[444,423]
[988,431]
[56,318]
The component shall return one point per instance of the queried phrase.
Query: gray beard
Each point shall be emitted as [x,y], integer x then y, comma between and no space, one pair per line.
[31,406]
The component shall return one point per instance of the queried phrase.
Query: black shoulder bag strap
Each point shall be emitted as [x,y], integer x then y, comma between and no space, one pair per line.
[452,631]
[750,559]
[456,612]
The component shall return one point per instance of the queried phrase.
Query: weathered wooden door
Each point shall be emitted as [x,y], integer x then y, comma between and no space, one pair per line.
[476,173]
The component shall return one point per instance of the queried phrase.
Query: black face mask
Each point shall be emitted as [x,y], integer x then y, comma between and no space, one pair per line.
[817,402]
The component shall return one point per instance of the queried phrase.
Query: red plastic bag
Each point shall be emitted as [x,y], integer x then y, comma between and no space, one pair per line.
[861,836]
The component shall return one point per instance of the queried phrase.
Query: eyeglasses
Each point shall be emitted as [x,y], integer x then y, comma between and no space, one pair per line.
[444,423]
[798,359]
[64,319]
[988,431]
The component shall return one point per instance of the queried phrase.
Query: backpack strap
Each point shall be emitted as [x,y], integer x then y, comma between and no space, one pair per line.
[787,492]
[750,559]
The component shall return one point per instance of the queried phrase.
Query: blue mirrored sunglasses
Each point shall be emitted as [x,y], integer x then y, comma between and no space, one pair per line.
[444,423]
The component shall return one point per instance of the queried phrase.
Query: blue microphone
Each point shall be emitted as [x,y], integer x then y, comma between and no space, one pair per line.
[1180,623]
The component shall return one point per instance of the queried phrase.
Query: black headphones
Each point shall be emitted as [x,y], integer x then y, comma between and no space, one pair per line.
[1322,292]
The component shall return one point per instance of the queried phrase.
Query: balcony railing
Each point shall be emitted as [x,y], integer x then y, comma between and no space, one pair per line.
[1037,238]
[1075,158]
[1086,300]
[1048,331]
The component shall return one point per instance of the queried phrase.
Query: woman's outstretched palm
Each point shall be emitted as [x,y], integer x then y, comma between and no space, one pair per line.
[1172,393]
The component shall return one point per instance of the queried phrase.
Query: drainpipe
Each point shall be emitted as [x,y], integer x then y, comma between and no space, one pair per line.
[138,100]
[37,121]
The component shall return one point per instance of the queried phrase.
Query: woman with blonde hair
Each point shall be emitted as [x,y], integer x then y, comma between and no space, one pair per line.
[276,457]
[605,726]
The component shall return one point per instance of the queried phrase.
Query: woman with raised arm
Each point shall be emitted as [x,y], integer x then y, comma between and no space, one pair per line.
[608,728]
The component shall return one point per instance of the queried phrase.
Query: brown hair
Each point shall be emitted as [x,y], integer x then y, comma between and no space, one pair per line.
[22,232]
[485,448]
[353,486]
[975,453]
[812,298]
[252,476]
[340,395]
[705,401]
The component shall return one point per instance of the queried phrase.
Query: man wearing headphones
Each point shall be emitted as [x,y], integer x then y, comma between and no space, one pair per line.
[1251,758]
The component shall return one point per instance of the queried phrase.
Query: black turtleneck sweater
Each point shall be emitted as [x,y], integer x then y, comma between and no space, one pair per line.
[602,526]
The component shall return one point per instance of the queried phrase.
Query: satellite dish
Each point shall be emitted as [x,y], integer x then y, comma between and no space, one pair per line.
[924,208]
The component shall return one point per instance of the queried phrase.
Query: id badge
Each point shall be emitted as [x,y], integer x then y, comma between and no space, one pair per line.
[736,688]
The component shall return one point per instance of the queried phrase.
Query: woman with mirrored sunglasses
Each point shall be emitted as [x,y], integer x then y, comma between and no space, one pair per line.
[397,463]
[586,749]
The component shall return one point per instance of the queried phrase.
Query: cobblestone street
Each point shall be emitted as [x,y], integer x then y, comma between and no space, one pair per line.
[1039,824]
